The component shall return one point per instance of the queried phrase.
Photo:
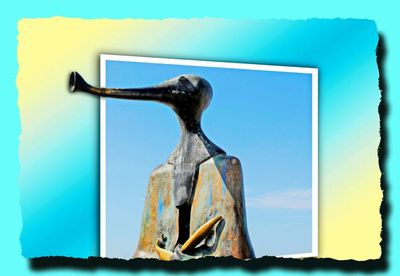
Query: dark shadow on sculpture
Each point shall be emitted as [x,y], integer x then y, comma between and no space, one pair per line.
[264,263]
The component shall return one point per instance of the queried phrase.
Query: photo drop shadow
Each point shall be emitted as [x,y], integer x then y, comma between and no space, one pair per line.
[264,263]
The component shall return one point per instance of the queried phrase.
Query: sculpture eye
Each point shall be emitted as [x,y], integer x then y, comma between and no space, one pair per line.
[183,79]
[185,84]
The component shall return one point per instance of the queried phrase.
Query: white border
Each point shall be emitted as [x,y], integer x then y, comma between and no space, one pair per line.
[259,67]
[103,252]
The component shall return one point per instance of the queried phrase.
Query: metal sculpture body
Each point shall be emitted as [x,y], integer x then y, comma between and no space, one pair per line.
[194,204]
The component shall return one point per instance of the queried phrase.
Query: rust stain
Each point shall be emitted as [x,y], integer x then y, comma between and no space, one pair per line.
[218,193]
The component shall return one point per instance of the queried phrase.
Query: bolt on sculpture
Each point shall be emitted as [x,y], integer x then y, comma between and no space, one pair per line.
[194,204]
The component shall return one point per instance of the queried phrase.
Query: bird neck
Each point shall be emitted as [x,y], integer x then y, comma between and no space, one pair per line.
[193,149]
[194,146]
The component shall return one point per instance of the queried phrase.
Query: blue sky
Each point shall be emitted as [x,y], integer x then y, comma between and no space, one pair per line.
[261,117]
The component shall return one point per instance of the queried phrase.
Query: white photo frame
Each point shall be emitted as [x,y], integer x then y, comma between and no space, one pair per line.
[259,67]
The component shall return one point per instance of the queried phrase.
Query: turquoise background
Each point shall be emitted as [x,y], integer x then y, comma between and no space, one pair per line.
[386,19]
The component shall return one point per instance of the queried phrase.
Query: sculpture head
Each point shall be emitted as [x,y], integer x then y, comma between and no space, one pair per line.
[187,95]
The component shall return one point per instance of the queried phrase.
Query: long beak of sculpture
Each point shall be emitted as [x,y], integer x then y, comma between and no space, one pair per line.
[157,93]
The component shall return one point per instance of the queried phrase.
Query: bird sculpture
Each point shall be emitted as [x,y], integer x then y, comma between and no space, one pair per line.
[194,205]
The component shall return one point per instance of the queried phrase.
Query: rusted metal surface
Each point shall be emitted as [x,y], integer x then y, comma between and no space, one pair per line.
[160,216]
[194,204]
[218,192]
